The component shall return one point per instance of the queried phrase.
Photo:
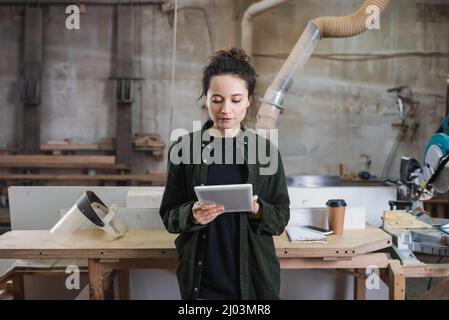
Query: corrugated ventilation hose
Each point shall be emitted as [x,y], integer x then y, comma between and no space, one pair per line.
[348,26]
[317,29]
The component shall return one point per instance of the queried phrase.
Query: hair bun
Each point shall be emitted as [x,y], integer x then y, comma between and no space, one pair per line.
[234,53]
[233,61]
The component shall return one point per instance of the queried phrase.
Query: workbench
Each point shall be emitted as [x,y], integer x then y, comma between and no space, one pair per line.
[356,249]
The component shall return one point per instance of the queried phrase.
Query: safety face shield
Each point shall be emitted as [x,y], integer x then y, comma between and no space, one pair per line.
[90,207]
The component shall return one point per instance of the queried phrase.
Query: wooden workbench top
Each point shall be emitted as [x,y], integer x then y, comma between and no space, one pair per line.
[32,244]
[27,244]
[351,243]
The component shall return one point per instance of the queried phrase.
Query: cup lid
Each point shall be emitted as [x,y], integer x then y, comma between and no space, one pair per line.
[336,203]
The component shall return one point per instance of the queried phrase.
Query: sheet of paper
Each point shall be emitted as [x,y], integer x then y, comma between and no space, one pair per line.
[299,234]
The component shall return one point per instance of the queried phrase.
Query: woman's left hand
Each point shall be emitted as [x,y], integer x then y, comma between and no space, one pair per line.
[255,212]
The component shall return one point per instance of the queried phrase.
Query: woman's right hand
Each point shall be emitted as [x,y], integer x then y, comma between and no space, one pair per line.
[203,213]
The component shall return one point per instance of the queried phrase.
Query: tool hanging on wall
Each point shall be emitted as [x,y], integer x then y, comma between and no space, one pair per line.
[407,109]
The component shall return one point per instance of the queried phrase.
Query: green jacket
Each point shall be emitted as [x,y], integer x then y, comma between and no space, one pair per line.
[259,265]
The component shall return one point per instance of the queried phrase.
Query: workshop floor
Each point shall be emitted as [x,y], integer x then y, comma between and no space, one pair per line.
[416,287]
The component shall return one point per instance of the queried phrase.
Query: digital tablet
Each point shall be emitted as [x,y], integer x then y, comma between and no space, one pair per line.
[234,197]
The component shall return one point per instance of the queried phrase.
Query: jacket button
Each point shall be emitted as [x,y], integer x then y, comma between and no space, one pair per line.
[195,289]
[200,263]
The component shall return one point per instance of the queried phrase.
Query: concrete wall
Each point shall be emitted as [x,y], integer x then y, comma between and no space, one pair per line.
[335,112]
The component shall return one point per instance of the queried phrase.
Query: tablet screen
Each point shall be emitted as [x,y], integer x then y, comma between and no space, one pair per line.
[234,197]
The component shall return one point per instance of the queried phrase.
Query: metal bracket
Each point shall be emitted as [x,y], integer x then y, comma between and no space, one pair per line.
[404,247]
[124,89]
[31,93]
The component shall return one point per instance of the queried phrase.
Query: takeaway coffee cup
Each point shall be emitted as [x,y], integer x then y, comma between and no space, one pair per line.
[336,215]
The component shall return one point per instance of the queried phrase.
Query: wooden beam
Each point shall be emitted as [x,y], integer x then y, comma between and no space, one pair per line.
[159,178]
[360,284]
[115,166]
[96,277]
[362,261]
[159,243]
[76,147]
[41,159]
[352,243]
[426,270]
[59,161]
[396,280]
[147,263]
[87,244]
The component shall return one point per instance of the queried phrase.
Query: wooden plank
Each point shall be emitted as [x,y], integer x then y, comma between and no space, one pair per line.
[76,147]
[402,219]
[360,284]
[363,261]
[396,281]
[28,244]
[115,166]
[84,244]
[426,270]
[36,265]
[146,263]
[59,161]
[351,243]
[38,159]
[156,177]
[96,277]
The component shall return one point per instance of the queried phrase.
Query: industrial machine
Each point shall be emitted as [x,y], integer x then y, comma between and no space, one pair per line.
[433,175]
[413,229]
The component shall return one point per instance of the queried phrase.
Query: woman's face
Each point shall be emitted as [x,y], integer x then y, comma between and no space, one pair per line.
[227,100]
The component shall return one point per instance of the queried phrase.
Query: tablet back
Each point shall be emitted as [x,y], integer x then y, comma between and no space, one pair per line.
[234,197]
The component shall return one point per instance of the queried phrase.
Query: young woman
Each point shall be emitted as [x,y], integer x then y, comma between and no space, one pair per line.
[226,255]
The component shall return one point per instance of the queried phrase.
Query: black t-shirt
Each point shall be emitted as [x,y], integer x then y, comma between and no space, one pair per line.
[220,274]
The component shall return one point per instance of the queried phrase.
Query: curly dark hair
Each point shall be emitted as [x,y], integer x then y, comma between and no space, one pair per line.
[231,61]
